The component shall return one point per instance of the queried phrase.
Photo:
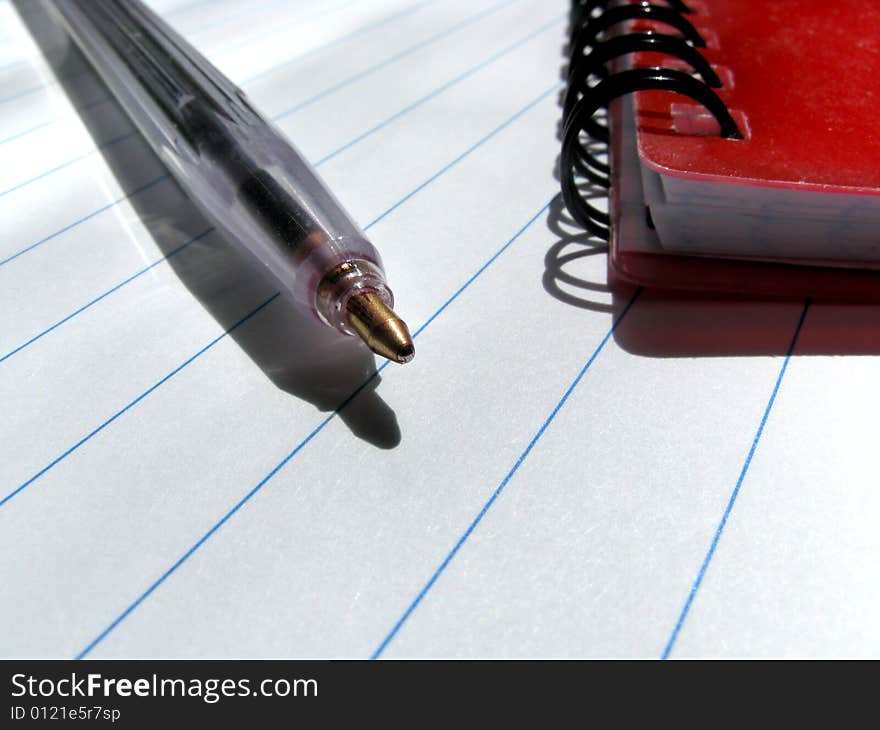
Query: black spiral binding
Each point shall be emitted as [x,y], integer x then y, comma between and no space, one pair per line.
[592,87]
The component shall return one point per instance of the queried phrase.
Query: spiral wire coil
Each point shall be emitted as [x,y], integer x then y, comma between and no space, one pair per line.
[594,47]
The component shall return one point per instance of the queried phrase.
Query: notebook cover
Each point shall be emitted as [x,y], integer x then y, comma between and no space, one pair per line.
[801,77]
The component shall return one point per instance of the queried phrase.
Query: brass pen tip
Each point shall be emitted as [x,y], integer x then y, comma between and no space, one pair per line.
[380,328]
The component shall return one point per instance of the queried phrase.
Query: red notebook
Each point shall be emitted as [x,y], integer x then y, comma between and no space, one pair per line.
[756,171]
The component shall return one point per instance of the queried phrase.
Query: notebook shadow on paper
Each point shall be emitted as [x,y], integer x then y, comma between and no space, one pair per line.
[666,324]
[678,324]
[297,353]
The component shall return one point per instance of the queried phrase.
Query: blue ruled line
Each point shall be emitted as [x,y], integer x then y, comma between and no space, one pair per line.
[396,57]
[207,536]
[31,247]
[283,25]
[40,56]
[670,644]
[186,6]
[439,90]
[357,33]
[360,138]
[105,145]
[500,488]
[22,62]
[133,403]
[137,275]
[87,71]
[139,398]
[47,85]
[49,123]
[299,447]
[290,111]
[482,269]
[464,154]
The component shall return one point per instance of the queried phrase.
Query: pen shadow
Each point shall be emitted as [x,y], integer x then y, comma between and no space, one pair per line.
[300,355]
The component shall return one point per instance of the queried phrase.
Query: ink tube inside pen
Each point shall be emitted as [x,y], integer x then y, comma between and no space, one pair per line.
[238,168]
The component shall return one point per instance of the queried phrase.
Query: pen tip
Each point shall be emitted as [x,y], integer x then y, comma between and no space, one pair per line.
[380,328]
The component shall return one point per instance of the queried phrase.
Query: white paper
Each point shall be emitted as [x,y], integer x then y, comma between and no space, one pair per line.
[175,491]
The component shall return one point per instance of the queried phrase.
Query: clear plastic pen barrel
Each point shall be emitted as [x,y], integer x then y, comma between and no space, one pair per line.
[249,181]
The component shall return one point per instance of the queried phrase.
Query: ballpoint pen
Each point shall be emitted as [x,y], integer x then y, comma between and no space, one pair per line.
[251,183]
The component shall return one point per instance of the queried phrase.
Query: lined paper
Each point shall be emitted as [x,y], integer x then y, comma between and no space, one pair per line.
[191,468]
